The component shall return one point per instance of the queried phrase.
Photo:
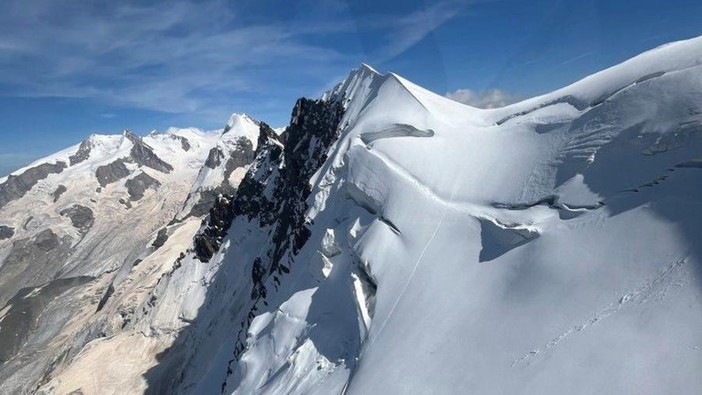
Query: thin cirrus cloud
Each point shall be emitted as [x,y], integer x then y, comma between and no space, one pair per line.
[171,57]
[410,29]
[184,56]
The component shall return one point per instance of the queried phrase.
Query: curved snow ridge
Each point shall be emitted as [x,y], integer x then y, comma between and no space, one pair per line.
[441,107]
[371,192]
[580,106]
[357,80]
[408,87]
[595,88]
[366,91]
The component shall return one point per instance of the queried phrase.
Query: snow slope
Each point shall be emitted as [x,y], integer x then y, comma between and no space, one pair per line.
[551,246]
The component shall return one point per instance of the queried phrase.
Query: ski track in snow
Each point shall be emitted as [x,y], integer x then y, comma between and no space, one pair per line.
[641,294]
[412,273]
[401,171]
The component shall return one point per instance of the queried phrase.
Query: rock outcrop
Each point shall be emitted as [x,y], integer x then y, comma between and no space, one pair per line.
[17,186]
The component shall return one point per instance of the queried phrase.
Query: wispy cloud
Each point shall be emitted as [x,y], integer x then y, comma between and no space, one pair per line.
[204,57]
[491,98]
[408,30]
[575,59]
[181,56]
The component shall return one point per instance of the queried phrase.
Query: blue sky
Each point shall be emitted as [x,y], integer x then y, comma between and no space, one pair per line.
[72,68]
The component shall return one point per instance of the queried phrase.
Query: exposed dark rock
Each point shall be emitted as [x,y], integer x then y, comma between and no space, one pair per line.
[214,158]
[267,134]
[219,221]
[251,201]
[81,217]
[26,223]
[314,128]
[144,155]
[127,203]
[46,240]
[207,199]
[138,185]
[32,261]
[221,214]
[115,171]
[110,290]
[273,195]
[24,310]
[17,186]
[6,232]
[309,136]
[390,224]
[58,192]
[161,238]
[204,248]
[242,156]
[258,273]
[184,143]
[82,154]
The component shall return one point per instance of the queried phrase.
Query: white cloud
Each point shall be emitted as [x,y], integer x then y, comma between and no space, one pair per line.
[184,56]
[491,98]
[204,58]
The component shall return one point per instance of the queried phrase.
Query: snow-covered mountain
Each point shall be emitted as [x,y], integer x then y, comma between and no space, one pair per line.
[89,231]
[390,240]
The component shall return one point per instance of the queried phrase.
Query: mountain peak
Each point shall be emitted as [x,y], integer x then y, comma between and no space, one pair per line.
[241,125]
[367,68]
[237,118]
[360,82]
